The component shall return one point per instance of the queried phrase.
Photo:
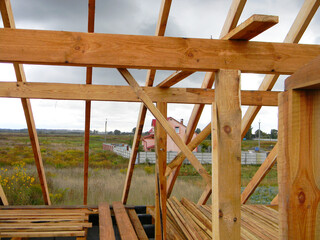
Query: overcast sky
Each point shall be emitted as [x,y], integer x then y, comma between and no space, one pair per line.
[188,18]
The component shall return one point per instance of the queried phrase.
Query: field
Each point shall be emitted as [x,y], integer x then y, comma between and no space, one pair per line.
[63,160]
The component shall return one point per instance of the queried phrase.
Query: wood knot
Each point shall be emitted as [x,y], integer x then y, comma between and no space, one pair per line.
[77,48]
[220,213]
[227,129]
[301,197]
[235,219]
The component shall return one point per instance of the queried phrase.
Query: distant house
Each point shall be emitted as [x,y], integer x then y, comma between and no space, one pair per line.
[148,141]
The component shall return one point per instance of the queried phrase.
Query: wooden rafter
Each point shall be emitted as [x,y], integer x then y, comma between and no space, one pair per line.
[151,52]
[91,15]
[164,123]
[66,91]
[8,22]
[160,30]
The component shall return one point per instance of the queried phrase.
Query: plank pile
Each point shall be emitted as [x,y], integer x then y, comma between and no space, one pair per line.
[44,223]
[186,220]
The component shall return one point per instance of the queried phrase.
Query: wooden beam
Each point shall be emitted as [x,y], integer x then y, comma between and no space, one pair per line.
[205,195]
[9,24]
[226,156]
[3,198]
[91,15]
[151,52]
[299,164]
[296,31]
[307,77]
[141,234]
[160,181]
[174,78]
[123,222]
[64,91]
[263,170]
[164,123]
[160,30]
[275,200]
[106,231]
[252,27]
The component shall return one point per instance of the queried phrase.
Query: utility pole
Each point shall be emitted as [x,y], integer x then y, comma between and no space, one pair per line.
[105,131]
[259,135]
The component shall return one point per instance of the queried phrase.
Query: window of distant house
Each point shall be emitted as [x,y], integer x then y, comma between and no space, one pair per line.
[177,129]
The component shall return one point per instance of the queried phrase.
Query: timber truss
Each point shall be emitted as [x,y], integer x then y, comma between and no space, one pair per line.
[222,59]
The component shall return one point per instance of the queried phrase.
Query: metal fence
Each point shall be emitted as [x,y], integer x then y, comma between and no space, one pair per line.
[204,158]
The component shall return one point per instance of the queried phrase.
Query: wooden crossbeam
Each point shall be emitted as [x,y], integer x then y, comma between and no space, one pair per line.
[8,22]
[91,15]
[66,91]
[160,30]
[205,195]
[164,123]
[245,31]
[174,78]
[226,156]
[106,231]
[263,170]
[151,52]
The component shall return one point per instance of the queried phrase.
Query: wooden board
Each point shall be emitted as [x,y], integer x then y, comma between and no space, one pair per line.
[106,231]
[66,91]
[151,52]
[141,234]
[124,225]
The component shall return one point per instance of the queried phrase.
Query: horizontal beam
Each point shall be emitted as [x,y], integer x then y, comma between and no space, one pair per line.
[151,52]
[64,91]
[307,77]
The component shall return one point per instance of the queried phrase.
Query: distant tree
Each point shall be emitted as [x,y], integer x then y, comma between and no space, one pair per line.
[198,130]
[274,134]
[117,132]
[133,130]
[262,134]
[248,135]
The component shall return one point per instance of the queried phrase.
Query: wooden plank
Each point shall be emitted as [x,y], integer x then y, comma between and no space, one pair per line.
[43,234]
[299,164]
[294,35]
[307,77]
[151,52]
[91,16]
[106,231]
[164,123]
[124,225]
[141,234]
[3,197]
[275,200]
[226,156]
[9,24]
[260,174]
[160,31]
[174,78]
[160,181]
[45,225]
[233,16]
[252,27]
[66,91]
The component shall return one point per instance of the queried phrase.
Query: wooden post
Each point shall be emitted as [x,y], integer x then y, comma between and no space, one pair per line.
[299,164]
[3,198]
[226,156]
[161,162]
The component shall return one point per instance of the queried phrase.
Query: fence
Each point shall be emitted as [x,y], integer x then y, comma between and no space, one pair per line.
[204,158]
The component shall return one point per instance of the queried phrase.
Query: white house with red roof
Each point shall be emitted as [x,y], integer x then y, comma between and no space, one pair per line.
[148,141]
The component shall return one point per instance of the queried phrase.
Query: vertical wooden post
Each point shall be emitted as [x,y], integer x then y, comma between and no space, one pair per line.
[299,164]
[226,156]
[161,181]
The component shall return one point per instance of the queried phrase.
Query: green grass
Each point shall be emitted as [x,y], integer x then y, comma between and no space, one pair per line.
[63,159]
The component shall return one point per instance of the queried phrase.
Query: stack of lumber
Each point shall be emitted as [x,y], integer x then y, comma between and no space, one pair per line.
[186,220]
[43,223]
